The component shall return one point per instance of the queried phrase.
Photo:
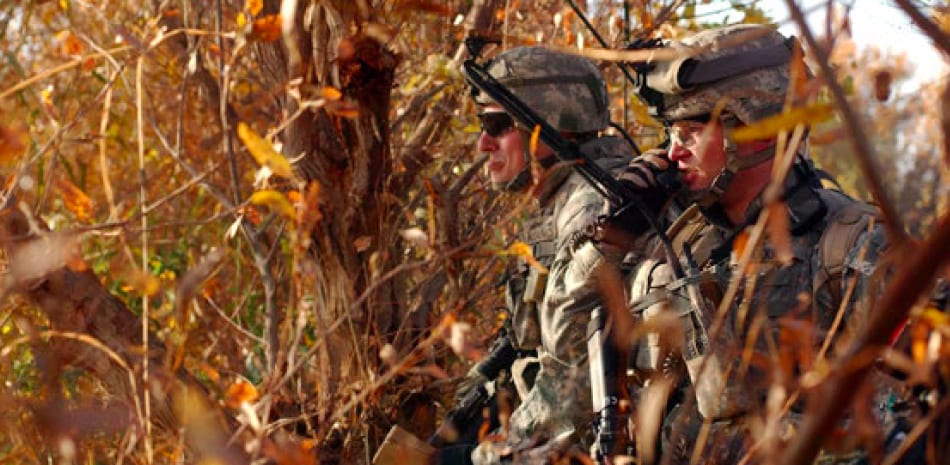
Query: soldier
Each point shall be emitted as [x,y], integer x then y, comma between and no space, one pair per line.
[736,76]
[549,308]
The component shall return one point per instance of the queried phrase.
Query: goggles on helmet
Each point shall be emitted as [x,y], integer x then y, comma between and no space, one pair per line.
[496,123]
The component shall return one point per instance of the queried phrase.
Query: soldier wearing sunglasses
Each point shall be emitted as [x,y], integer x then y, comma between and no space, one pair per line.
[548,308]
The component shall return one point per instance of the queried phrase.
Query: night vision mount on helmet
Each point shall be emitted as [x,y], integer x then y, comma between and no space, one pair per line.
[739,73]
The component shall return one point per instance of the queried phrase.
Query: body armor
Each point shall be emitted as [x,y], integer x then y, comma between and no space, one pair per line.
[833,242]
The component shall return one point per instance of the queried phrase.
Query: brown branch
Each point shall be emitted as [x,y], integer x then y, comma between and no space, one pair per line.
[863,149]
[927,26]
[923,263]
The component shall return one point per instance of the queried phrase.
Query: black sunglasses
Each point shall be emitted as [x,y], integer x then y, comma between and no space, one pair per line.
[496,123]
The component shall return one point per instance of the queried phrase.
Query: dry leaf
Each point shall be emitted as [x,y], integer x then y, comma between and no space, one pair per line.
[739,244]
[310,214]
[533,142]
[239,393]
[266,29]
[362,243]
[77,202]
[275,201]
[882,85]
[263,152]
[254,6]
[331,93]
[388,354]
[341,108]
[13,141]
[71,44]
[778,231]
[459,338]
[416,237]
[520,249]
[769,127]
[143,282]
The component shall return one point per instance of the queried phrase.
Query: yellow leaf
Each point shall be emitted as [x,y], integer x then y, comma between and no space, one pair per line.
[241,20]
[75,200]
[266,29]
[331,93]
[275,201]
[533,143]
[264,152]
[143,282]
[254,6]
[772,125]
[46,96]
[520,249]
[934,317]
[240,392]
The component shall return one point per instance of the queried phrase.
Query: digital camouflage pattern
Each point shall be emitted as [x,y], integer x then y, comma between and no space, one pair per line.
[568,91]
[748,96]
[556,412]
[781,312]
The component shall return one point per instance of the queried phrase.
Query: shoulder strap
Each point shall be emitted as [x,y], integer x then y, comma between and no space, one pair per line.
[845,225]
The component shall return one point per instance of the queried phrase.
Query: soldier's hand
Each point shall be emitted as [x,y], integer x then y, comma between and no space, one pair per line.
[652,173]
[472,380]
[656,180]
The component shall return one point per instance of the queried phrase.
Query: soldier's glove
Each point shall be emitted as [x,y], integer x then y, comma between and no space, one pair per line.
[656,180]
[473,379]
[499,358]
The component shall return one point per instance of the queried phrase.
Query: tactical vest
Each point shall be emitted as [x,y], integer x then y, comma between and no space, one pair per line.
[524,290]
[820,255]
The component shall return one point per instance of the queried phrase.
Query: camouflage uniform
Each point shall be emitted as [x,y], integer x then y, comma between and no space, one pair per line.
[549,311]
[555,319]
[781,311]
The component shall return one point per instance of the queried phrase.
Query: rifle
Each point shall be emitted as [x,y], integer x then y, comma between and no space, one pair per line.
[622,199]
[402,447]
[605,377]
[468,411]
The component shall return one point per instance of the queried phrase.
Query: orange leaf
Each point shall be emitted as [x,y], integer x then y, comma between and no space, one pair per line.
[533,142]
[266,29]
[71,44]
[254,6]
[740,243]
[342,109]
[240,392]
[75,200]
[310,214]
[13,141]
[331,93]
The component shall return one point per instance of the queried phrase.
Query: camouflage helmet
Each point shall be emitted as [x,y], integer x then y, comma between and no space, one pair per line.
[745,66]
[568,91]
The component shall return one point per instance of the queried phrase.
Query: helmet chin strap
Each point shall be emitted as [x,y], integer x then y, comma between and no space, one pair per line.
[523,179]
[705,198]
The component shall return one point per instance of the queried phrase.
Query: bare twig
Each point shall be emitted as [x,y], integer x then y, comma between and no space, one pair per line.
[863,149]
[921,265]
[927,26]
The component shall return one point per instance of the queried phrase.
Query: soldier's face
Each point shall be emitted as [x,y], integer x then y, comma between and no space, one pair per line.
[697,149]
[503,144]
